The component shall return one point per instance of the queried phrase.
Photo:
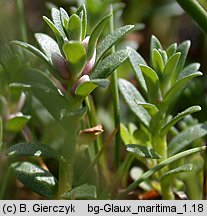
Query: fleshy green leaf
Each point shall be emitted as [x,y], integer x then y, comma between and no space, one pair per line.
[179,116]
[171,50]
[176,90]
[151,108]
[162,164]
[35,78]
[73,116]
[44,90]
[35,51]
[95,35]
[125,135]
[157,62]
[163,55]
[131,95]
[87,87]
[154,44]
[47,44]
[55,103]
[142,151]
[64,18]
[191,68]
[183,48]
[178,170]
[76,55]
[151,80]
[55,14]
[132,127]
[82,192]
[111,39]
[141,135]
[185,138]
[109,64]
[83,14]
[17,123]
[55,31]
[169,70]
[52,26]
[33,149]
[36,178]
[135,59]
[74,28]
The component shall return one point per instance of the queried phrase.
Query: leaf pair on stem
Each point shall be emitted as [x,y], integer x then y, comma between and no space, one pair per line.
[161,84]
[77,65]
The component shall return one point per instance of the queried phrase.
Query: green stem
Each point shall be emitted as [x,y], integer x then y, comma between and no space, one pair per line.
[99,155]
[66,164]
[115,97]
[196,11]
[92,119]
[167,193]
[98,144]
[22,20]
[123,171]
[162,164]
[120,176]
[65,177]
[92,123]
[205,176]
[5,183]
[160,146]
[93,147]
[192,186]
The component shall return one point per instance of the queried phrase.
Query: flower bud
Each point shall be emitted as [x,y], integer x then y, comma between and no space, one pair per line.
[90,64]
[61,66]
[83,79]
[85,42]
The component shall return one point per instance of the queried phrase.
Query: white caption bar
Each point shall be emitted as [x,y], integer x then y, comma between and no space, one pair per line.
[103,208]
